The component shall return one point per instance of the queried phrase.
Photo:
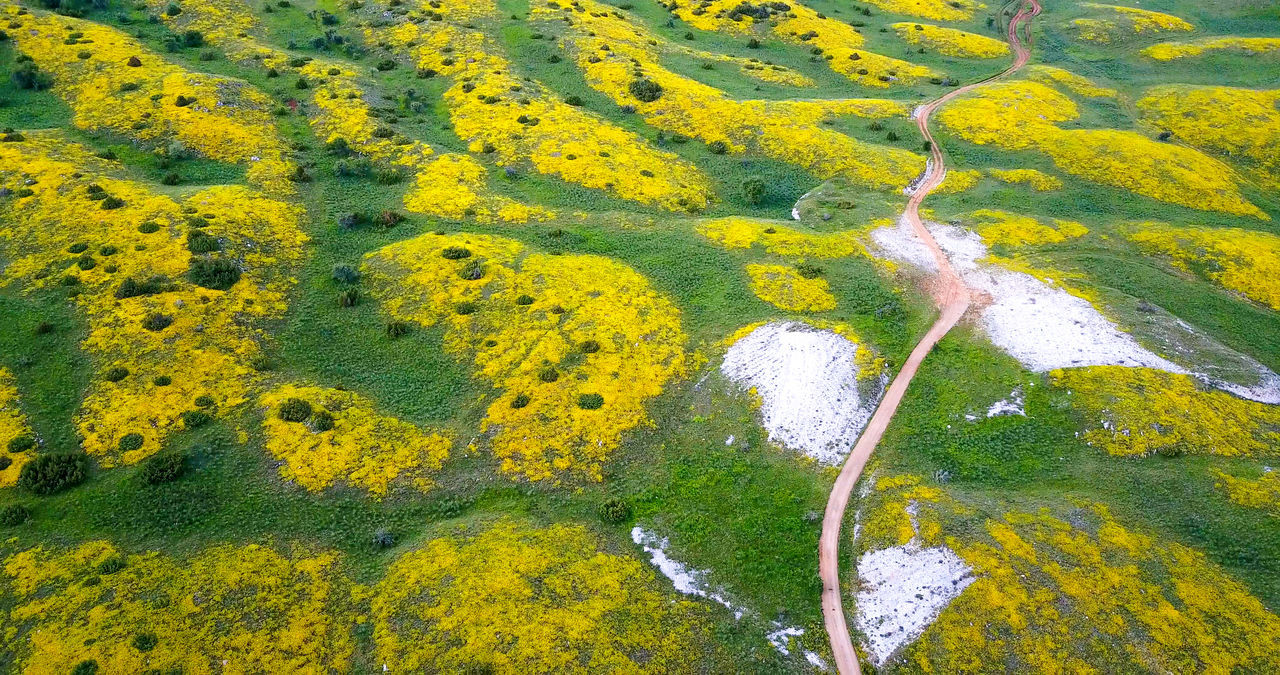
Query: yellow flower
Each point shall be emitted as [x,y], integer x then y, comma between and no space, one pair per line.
[1243,124]
[1260,493]
[13,423]
[1169,51]
[360,446]
[1138,411]
[1011,229]
[951,42]
[1038,180]
[1076,84]
[779,239]
[1243,261]
[786,288]
[576,344]
[558,602]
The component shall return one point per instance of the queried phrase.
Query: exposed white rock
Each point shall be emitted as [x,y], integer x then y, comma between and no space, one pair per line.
[902,591]
[1014,405]
[807,379]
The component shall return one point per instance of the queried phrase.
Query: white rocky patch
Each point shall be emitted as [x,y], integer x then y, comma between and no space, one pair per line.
[1014,405]
[902,590]
[1042,326]
[808,382]
[694,582]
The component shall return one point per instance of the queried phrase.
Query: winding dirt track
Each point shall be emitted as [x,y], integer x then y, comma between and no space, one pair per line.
[953,299]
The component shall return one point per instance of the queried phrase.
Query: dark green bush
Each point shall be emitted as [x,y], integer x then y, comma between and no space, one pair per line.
[524,300]
[645,90]
[472,271]
[157,322]
[145,642]
[193,419]
[455,253]
[753,190]
[615,511]
[199,241]
[115,374]
[132,288]
[89,666]
[22,443]
[162,380]
[14,515]
[590,401]
[348,297]
[50,473]
[5,462]
[216,273]
[589,346]
[28,76]
[130,442]
[149,227]
[163,467]
[397,329]
[520,401]
[809,271]
[321,420]
[111,565]
[465,308]
[203,401]
[345,274]
[548,374]
[192,38]
[718,147]
[295,410]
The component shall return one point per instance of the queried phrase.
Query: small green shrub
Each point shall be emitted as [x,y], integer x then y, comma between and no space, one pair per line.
[111,565]
[199,241]
[130,442]
[718,147]
[753,190]
[295,410]
[472,271]
[149,227]
[345,274]
[22,443]
[51,473]
[321,420]
[145,642]
[455,253]
[397,329]
[645,90]
[589,347]
[465,308]
[5,462]
[520,401]
[115,374]
[590,401]
[89,666]
[203,401]
[218,274]
[156,322]
[164,467]
[549,374]
[615,511]
[14,515]
[524,300]
[348,297]
[162,380]
[194,419]
[809,271]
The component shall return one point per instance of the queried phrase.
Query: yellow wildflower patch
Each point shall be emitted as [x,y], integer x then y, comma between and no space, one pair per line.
[1076,84]
[1170,51]
[935,10]
[13,424]
[1243,124]
[959,180]
[613,54]
[950,41]
[563,605]
[837,41]
[1244,261]
[1138,411]
[1038,180]
[519,120]
[1021,114]
[1016,230]
[738,232]
[1051,595]
[786,288]
[576,343]
[216,117]
[1122,22]
[227,609]
[345,439]
[454,186]
[163,344]
[1260,493]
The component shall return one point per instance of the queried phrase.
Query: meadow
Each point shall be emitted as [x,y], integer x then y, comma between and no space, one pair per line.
[530,336]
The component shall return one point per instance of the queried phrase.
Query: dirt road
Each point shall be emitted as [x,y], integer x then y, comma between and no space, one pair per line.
[953,299]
